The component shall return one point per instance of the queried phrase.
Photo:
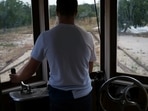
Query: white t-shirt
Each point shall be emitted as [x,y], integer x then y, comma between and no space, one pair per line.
[68,49]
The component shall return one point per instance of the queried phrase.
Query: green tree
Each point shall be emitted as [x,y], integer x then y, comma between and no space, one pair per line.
[14,13]
[86,11]
[132,13]
[3,15]
[52,11]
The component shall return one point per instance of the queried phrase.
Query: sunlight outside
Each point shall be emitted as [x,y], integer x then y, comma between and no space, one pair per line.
[16,33]
[16,38]
[132,42]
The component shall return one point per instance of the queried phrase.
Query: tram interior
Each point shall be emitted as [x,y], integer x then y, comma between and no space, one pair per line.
[120,74]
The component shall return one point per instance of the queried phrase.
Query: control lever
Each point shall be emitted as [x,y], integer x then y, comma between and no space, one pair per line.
[26,89]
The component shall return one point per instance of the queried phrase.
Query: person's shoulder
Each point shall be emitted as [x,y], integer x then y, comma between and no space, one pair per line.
[84,31]
[45,32]
[80,28]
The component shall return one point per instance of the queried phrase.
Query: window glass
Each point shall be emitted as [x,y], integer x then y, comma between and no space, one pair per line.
[132,41]
[16,38]
[88,17]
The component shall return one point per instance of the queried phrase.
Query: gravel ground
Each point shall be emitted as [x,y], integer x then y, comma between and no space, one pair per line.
[137,48]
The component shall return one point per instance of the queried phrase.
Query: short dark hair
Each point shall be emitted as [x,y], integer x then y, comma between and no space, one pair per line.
[67,7]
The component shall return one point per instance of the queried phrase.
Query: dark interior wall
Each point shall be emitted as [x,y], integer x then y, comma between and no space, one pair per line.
[31,105]
[7,103]
[0,98]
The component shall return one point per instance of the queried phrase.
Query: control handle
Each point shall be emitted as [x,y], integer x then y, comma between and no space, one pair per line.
[13,71]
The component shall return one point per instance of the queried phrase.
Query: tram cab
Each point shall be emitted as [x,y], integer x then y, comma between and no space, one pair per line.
[120,33]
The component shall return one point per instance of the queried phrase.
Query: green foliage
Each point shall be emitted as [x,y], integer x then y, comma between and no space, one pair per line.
[132,13]
[14,13]
[84,11]
[52,10]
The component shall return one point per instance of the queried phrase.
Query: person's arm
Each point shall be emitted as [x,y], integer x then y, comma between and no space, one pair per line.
[25,72]
[90,67]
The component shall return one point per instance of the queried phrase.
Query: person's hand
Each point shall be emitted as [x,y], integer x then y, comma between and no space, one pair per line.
[14,78]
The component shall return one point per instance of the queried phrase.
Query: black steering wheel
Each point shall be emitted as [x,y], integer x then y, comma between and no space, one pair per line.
[131,96]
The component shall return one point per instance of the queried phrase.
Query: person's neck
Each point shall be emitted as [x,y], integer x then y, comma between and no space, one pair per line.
[66,20]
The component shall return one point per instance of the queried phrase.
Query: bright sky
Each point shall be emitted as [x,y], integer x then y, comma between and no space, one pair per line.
[51,2]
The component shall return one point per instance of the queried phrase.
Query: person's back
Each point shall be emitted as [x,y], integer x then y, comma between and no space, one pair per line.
[68,58]
[69,51]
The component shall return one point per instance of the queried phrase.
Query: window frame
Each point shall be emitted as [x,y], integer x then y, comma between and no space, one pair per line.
[108,40]
[110,7]
[41,77]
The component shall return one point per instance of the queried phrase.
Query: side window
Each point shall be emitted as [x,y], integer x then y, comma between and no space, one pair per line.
[132,40]
[16,35]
